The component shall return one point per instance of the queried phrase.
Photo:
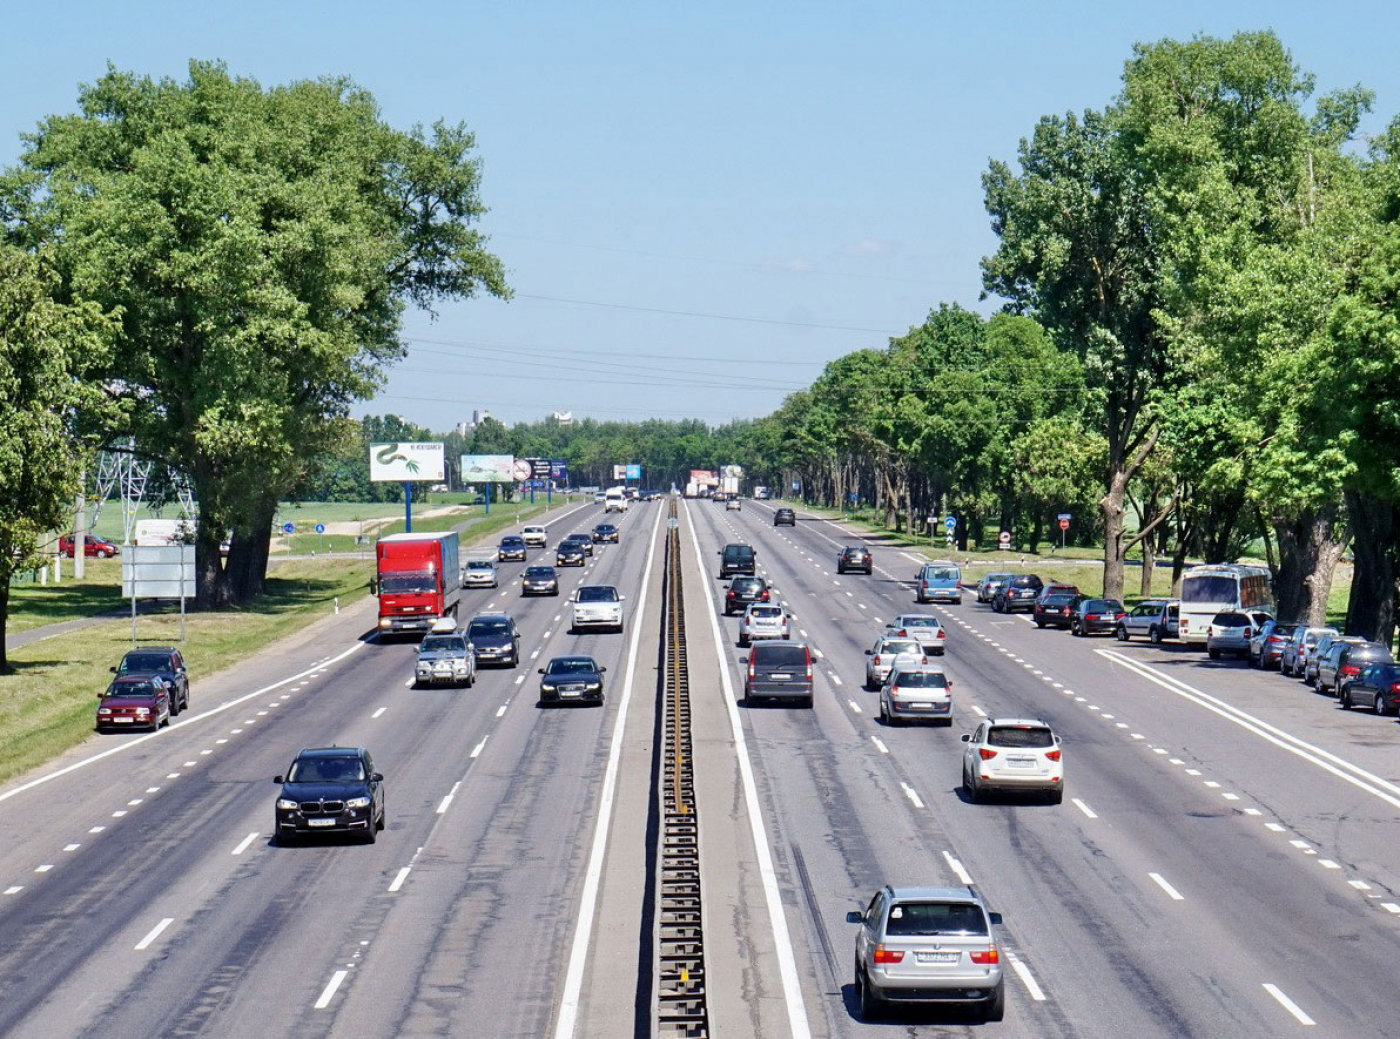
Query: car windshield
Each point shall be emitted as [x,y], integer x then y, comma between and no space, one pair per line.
[780,657]
[571,666]
[408,584]
[145,662]
[1019,736]
[1210,589]
[1058,600]
[488,627]
[477,564]
[597,593]
[512,542]
[898,646]
[922,680]
[570,548]
[326,770]
[443,644]
[544,572]
[130,689]
[935,918]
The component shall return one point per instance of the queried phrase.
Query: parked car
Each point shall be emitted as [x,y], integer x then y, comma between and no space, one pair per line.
[480,573]
[164,662]
[736,559]
[539,580]
[1141,619]
[495,638]
[135,701]
[1013,754]
[927,945]
[920,694]
[1017,593]
[446,658]
[1344,661]
[779,670]
[1266,647]
[854,557]
[536,537]
[987,587]
[784,518]
[1376,686]
[93,545]
[763,621]
[329,790]
[1055,610]
[1324,643]
[574,678]
[924,628]
[887,654]
[939,581]
[597,606]
[1299,648]
[1095,616]
[605,533]
[1230,631]
[745,590]
[512,547]
[568,553]
[1056,588]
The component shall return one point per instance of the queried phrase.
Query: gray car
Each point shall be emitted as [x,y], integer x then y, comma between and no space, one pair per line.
[888,653]
[1344,662]
[1299,648]
[1231,630]
[1266,648]
[1148,619]
[923,694]
[987,587]
[445,659]
[479,573]
[927,945]
[779,670]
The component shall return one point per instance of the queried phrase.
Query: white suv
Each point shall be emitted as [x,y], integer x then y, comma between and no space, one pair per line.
[535,537]
[1013,754]
[597,606]
[763,621]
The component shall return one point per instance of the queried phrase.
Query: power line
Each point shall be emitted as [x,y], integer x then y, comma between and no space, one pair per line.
[700,314]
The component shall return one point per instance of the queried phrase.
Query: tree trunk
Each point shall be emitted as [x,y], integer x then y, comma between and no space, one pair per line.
[248,553]
[1371,608]
[1111,507]
[1149,565]
[4,622]
[1308,549]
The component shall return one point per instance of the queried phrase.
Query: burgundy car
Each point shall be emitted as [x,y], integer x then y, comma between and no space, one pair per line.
[93,545]
[138,702]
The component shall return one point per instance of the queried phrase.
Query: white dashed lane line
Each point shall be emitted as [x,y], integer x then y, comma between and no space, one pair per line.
[377,713]
[243,844]
[328,993]
[912,794]
[1083,807]
[964,877]
[1288,1004]
[399,878]
[1172,893]
[154,933]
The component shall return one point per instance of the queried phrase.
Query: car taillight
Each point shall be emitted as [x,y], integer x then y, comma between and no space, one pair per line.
[1120,616]
[1349,670]
[903,633]
[1053,755]
[1210,630]
[764,597]
[1091,616]
[924,660]
[883,955]
[987,754]
[751,671]
[986,956]
[1395,687]
[877,660]
[1248,632]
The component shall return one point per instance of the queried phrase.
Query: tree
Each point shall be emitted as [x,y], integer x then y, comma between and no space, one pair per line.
[47,404]
[261,246]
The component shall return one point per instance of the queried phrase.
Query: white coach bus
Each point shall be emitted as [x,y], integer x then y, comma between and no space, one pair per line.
[1206,590]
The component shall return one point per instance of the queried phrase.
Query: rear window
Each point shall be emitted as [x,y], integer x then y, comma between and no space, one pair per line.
[1285,630]
[1231,620]
[597,593]
[1369,653]
[732,552]
[747,584]
[1026,581]
[936,918]
[1020,736]
[1101,606]
[145,662]
[780,656]
[1058,600]
[898,646]
[765,611]
[916,621]
[941,573]
[922,680]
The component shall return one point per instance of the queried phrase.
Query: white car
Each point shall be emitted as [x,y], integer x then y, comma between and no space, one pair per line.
[732,505]
[923,694]
[924,627]
[479,573]
[597,606]
[1013,754]
[535,537]
[763,621]
[886,654]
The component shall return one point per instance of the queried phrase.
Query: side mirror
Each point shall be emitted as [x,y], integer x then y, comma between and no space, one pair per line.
[855,916]
[743,660]
[621,598]
[967,737]
[1057,741]
[278,779]
[373,587]
[995,918]
[541,670]
[377,777]
[602,671]
[113,669]
[869,652]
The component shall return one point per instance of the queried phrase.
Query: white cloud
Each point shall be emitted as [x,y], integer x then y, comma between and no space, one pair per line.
[870,247]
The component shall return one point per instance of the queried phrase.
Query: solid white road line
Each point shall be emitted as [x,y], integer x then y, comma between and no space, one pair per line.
[1083,807]
[399,878]
[1288,1004]
[155,932]
[782,941]
[588,901]
[1027,978]
[1173,893]
[962,874]
[880,744]
[328,993]
[243,844]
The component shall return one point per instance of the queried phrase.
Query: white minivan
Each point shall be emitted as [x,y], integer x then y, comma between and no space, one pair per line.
[615,500]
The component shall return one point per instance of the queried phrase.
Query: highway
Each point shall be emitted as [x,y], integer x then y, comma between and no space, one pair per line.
[1224,862]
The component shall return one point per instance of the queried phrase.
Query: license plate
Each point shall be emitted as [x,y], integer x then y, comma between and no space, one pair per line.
[780,677]
[922,706]
[1021,762]
[937,957]
[320,822]
[570,692]
[123,721]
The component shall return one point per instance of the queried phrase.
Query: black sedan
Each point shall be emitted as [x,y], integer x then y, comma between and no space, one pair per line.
[1096,617]
[1055,610]
[330,790]
[605,532]
[784,517]
[539,580]
[583,541]
[572,679]
[569,553]
[512,547]
[496,639]
[743,591]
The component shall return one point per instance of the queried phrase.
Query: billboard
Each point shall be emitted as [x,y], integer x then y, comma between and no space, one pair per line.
[559,470]
[619,472]
[393,462]
[158,572]
[540,468]
[634,471]
[704,477]
[487,468]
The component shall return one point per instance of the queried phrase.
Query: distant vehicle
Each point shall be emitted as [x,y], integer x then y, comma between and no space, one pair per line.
[93,545]
[1299,647]
[605,533]
[987,587]
[135,701]
[1376,686]
[729,485]
[939,581]
[760,493]
[889,653]
[779,670]
[1051,587]
[1013,754]
[569,553]
[736,559]
[924,628]
[1344,662]
[745,590]
[615,500]
[163,662]
[929,945]
[1266,648]
[763,621]
[600,497]
[1230,631]
[539,580]
[330,790]
[597,606]
[854,557]
[784,518]
[568,679]
[1095,616]
[512,547]
[418,580]
[1141,619]
[535,537]
[732,505]
[1221,588]
[920,694]
[480,573]
[583,541]
[445,658]
[1017,593]
[1055,610]
[495,638]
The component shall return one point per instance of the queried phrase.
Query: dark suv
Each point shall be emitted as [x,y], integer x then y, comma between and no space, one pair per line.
[164,662]
[784,518]
[1096,616]
[745,590]
[1344,662]
[1019,593]
[854,558]
[736,559]
[330,790]
[779,670]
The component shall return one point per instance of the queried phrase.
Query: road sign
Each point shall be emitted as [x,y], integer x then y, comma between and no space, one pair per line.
[320,528]
[797,485]
[1064,523]
[289,528]
[950,522]
[1004,540]
[1064,517]
[521,469]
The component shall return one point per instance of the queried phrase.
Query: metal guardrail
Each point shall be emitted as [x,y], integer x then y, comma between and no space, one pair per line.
[679,963]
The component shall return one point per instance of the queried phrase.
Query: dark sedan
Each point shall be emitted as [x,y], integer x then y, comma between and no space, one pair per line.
[539,580]
[605,532]
[572,679]
[512,547]
[496,638]
[568,553]
[583,541]
[330,790]
[167,663]
[137,701]
[744,591]
[1096,617]
[854,558]
[1377,686]
[1056,610]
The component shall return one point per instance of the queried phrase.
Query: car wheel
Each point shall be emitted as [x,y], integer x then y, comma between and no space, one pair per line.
[383,819]
[285,840]
[871,1005]
[1057,796]
[1040,624]
[808,703]
[371,832]
[1121,633]
[1346,699]
[995,1009]
[101,553]
[743,641]
[1379,705]
[1214,654]
[1154,635]
[1076,630]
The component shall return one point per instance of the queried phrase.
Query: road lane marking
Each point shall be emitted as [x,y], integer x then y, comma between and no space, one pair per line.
[1027,978]
[1288,1004]
[1328,864]
[1173,893]
[377,713]
[957,867]
[1360,885]
[328,993]
[1390,907]
[71,847]
[835,677]
[97,829]
[519,679]
[855,707]
[476,751]
[398,880]
[1275,827]
[1193,772]
[118,815]
[981,713]
[912,794]
[1251,811]
[879,743]
[1212,784]
[1083,807]
[155,932]
[1300,845]
[442,806]
[14,889]
[501,710]
[407,685]
[44,868]
[243,844]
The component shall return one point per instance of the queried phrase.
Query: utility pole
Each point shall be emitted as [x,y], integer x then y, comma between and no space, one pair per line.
[80,530]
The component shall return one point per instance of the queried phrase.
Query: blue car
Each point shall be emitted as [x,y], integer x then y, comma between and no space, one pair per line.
[939,581]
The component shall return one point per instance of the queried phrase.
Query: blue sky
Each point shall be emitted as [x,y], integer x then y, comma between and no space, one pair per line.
[801,165]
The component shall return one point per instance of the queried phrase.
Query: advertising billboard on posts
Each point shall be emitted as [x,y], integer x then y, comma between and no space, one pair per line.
[704,477]
[619,472]
[634,471]
[487,468]
[396,462]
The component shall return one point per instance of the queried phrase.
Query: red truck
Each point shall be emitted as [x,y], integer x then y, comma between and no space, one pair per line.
[417,579]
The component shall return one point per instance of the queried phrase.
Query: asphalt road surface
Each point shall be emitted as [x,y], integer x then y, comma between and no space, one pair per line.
[1224,862]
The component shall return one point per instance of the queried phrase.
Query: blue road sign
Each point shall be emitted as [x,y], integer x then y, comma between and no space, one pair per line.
[320,528]
[797,485]
[289,528]
[951,522]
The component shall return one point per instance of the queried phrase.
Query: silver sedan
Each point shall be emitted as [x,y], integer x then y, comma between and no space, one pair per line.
[886,654]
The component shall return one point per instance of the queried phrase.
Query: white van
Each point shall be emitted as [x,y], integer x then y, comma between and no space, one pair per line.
[615,500]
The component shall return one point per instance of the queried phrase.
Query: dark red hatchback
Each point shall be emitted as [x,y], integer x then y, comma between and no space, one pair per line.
[136,702]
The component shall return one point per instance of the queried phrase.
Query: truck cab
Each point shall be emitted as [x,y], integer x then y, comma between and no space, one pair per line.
[417,580]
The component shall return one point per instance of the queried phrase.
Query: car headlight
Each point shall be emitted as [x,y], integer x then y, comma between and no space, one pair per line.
[143,710]
[357,802]
[285,804]
[546,687]
[104,710]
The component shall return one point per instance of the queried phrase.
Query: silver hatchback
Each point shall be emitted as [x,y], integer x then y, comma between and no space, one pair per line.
[924,694]
[763,621]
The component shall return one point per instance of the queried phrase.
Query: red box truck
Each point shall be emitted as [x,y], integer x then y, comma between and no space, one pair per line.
[417,579]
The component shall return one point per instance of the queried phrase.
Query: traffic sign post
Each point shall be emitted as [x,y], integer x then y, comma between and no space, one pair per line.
[1004,541]
[1064,526]
[321,531]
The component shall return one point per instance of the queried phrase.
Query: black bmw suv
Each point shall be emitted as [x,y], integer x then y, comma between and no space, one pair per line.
[330,790]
